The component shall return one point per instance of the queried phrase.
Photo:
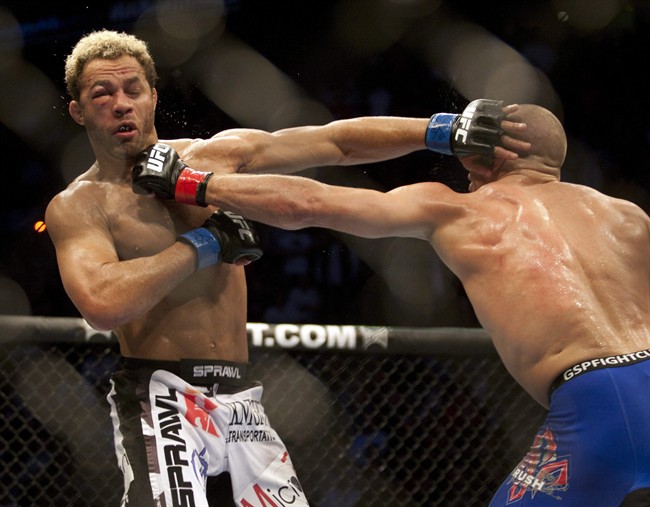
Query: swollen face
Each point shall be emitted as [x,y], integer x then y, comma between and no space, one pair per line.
[118,105]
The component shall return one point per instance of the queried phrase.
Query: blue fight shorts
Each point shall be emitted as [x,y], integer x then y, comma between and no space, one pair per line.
[593,449]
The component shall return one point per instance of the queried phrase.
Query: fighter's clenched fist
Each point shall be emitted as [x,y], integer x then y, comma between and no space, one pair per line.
[224,237]
[159,170]
[476,131]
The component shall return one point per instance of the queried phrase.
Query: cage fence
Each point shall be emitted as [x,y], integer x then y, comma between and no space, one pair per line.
[371,416]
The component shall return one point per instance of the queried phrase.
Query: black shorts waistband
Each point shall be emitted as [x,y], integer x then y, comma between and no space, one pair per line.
[204,372]
[598,364]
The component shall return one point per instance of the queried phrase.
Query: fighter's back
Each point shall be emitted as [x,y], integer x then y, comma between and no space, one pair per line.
[557,273]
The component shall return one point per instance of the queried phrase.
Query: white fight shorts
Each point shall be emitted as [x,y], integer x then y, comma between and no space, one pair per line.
[170,435]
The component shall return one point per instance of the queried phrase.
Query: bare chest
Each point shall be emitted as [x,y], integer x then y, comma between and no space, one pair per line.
[143,226]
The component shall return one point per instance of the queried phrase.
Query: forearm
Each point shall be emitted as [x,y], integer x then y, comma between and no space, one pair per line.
[295,202]
[373,139]
[119,292]
[478,130]
[288,202]
[341,142]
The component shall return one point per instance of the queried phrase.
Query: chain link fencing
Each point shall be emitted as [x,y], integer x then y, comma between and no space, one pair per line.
[371,416]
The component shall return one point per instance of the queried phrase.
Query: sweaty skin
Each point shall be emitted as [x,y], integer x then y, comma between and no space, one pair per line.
[557,273]
[116,250]
[117,254]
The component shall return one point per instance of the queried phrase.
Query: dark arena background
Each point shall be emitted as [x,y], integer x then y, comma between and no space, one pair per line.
[376,372]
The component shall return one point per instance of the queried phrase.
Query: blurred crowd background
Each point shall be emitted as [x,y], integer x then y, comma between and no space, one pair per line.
[275,64]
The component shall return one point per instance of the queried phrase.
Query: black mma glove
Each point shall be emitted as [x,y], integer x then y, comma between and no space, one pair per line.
[474,132]
[224,236]
[159,170]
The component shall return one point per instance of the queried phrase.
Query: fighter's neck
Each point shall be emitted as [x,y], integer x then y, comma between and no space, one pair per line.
[118,172]
[525,176]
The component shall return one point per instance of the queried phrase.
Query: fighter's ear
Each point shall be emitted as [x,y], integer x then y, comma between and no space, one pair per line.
[76,111]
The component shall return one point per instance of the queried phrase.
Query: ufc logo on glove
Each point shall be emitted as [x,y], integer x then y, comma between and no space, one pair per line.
[245,232]
[157,157]
[464,124]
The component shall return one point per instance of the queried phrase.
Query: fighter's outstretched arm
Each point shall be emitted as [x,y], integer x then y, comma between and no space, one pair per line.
[480,130]
[295,202]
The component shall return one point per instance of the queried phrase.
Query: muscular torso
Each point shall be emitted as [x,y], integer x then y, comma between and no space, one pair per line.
[557,274]
[205,315]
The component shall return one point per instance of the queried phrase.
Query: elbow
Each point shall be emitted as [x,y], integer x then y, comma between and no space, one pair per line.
[99,314]
[301,214]
[100,321]
[100,324]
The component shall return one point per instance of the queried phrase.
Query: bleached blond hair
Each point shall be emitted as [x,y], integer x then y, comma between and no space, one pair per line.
[109,45]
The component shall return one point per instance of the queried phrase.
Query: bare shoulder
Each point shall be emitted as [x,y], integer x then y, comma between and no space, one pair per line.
[77,204]
[495,200]
[633,209]
[180,145]
[634,220]
[439,209]
[432,196]
[75,195]
[224,152]
[625,209]
[233,137]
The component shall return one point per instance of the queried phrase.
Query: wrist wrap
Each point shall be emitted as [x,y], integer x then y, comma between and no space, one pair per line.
[190,186]
[438,134]
[206,245]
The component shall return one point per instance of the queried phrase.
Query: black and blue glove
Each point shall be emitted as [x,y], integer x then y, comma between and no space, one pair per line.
[474,132]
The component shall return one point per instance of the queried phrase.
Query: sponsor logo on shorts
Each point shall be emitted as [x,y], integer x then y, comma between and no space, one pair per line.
[604,362]
[242,436]
[197,412]
[541,471]
[174,450]
[248,423]
[216,370]
[200,463]
[286,491]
